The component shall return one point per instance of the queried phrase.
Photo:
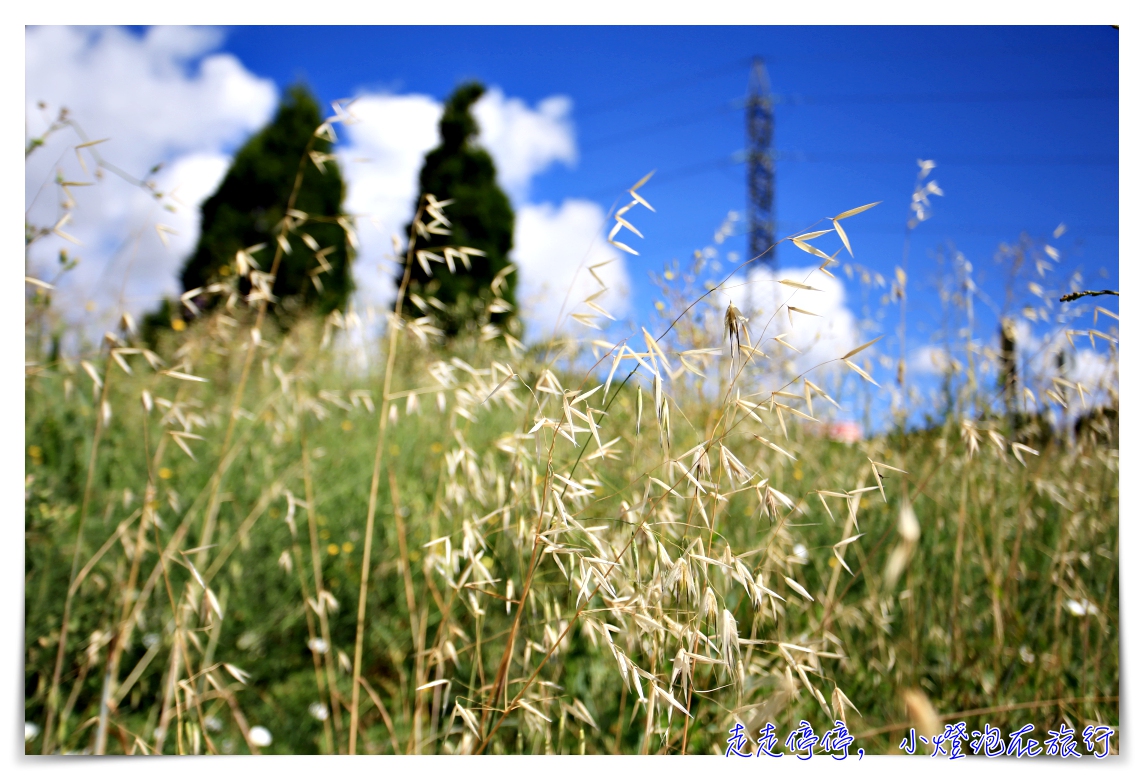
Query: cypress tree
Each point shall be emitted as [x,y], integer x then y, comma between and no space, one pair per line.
[480,217]
[251,201]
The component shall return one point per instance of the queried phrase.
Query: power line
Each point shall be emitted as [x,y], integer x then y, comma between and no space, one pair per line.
[938,54]
[796,156]
[964,228]
[671,175]
[679,120]
[660,88]
[950,159]
[672,85]
[795,100]
[946,97]
[686,172]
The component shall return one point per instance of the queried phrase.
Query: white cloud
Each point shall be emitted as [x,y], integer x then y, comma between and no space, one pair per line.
[382,159]
[1097,371]
[158,98]
[554,248]
[763,300]
[163,97]
[1042,357]
[525,141]
[144,93]
[143,273]
[931,361]
[1094,370]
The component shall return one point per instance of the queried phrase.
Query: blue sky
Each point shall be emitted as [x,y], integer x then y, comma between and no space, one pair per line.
[1041,147]
[1022,123]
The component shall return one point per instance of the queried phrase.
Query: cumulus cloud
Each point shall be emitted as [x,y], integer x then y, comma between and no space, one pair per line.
[168,97]
[555,246]
[1042,357]
[1094,369]
[382,158]
[1047,355]
[762,299]
[144,267]
[157,98]
[525,141]
[931,361]
[145,94]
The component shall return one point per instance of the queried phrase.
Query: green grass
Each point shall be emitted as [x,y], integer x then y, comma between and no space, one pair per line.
[983,629]
[197,523]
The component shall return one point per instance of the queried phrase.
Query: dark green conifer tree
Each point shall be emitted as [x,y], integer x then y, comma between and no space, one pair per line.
[480,215]
[251,202]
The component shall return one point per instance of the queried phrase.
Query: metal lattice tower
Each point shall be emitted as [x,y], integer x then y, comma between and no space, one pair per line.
[760,166]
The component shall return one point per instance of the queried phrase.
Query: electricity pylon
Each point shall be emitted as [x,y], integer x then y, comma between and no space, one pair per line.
[760,166]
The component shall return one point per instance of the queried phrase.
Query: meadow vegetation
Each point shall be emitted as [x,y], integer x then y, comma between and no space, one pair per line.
[243,541]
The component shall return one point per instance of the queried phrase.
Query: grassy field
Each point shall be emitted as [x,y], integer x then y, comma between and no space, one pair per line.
[236,543]
[978,618]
